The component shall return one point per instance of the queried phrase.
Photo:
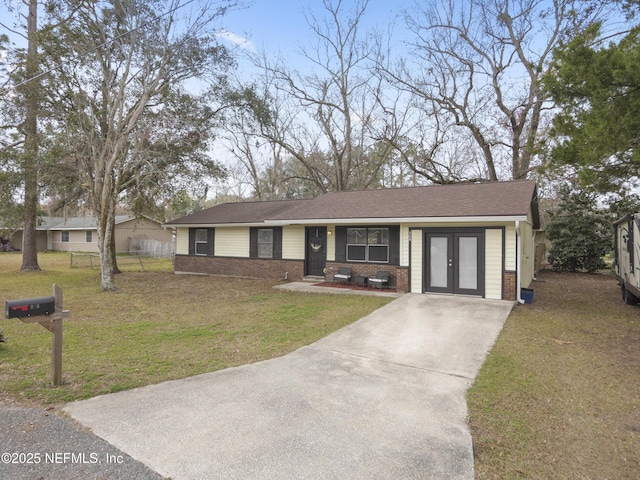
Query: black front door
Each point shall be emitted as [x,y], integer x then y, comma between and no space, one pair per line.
[454,262]
[316,251]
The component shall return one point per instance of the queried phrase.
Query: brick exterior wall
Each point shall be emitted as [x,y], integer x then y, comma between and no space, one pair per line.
[399,275]
[241,267]
[509,286]
[276,269]
[294,270]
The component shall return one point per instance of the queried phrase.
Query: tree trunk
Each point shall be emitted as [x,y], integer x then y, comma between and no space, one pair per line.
[106,221]
[30,155]
[114,258]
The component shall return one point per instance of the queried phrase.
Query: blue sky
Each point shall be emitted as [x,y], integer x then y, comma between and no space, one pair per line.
[279,26]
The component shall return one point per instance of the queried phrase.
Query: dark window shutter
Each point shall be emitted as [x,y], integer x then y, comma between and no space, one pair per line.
[192,241]
[253,242]
[211,232]
[277,243]
[341,244]
[394,245]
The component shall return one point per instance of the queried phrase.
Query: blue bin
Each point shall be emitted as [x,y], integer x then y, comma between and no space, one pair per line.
[527,295]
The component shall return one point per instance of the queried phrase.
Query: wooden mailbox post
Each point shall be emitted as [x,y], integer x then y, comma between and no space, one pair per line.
[48,312]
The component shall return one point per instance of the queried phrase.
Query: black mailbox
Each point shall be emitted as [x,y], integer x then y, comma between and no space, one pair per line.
[29,307]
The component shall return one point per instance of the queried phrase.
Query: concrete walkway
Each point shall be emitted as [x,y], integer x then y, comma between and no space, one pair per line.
[310,287]
[381,398]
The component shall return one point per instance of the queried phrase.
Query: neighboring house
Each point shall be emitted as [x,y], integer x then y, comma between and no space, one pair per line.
[80,234]
[469,239]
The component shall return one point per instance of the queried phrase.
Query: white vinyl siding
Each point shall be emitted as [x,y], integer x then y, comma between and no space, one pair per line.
[493,264]
[404,245]
[331,243]
[528,254]
[416,261]
[510,249]
[232,242]
[293,242]
[182,241]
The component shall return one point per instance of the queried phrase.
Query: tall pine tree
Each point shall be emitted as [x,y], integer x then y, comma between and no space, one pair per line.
[596,135]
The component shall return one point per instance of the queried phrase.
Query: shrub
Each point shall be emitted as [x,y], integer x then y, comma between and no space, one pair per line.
[580,234]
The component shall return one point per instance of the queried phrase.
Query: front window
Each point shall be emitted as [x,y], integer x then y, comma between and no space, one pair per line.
[201,241]
[368,245]
[356,244]
[88,236]
[265,243]
[65,235]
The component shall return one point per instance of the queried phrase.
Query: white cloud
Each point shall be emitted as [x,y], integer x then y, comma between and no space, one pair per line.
[237,40]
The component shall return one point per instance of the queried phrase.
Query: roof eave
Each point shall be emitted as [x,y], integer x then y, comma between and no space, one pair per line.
[209,225]
[69,229]
[353,221]
[395,220]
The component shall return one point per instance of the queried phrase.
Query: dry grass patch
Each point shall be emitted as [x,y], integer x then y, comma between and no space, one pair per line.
[158,326]
[559,395]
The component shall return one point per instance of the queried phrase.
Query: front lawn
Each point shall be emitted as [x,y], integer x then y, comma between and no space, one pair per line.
[158,326]
[559,394]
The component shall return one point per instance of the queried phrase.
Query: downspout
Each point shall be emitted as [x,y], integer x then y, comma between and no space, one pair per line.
[535,256]
[410,251]
[518,262]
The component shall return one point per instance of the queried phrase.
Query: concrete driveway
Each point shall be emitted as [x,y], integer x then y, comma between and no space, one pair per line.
[381,398]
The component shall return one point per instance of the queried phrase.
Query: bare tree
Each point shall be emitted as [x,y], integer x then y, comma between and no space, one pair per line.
[479,65]
[324,119]
[123,117]
[258,162]
[415,135]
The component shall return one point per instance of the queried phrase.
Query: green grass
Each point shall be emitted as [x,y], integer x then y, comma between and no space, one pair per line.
[559,394]
[157,326]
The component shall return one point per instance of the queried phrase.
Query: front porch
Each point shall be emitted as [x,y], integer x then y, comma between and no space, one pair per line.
[399,279]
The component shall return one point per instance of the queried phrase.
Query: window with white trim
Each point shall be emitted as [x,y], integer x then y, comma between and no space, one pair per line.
[64,236]
[88,236]
[368,245]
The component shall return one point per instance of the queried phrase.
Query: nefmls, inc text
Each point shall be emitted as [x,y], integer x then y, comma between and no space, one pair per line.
[27,458]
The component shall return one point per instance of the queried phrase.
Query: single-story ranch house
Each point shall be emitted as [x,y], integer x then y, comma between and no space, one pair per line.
[466,239]
[80,234]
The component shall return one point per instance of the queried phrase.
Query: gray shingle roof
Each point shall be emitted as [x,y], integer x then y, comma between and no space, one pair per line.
[241,212]
[498,199]
[75,223]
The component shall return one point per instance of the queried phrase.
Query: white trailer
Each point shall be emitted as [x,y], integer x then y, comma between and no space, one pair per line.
[627,261]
